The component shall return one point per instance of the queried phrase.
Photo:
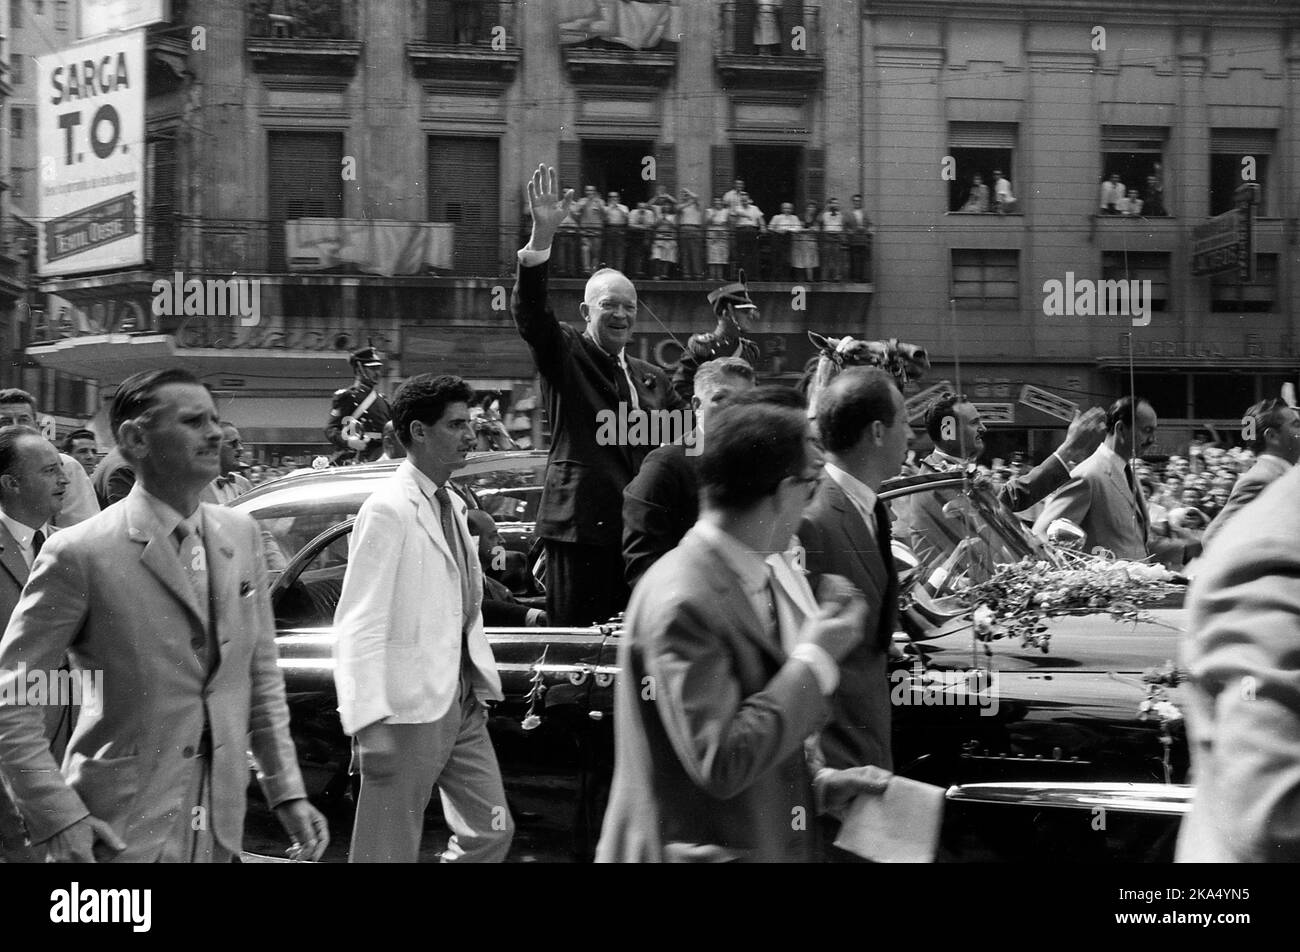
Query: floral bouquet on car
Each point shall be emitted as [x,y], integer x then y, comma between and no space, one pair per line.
[1017,600]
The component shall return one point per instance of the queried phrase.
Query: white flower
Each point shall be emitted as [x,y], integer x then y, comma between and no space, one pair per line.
[531,722]
[1168,711]
[983,619]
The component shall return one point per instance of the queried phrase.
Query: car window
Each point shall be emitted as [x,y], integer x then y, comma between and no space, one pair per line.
[308,596]
[511,505]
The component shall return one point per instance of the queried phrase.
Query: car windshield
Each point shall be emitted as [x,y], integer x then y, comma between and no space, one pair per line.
[959,537]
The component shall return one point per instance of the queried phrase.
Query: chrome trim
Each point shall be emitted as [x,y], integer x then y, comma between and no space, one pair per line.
[1158,798]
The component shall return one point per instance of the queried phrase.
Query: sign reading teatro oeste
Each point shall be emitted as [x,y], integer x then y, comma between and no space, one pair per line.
[90,114]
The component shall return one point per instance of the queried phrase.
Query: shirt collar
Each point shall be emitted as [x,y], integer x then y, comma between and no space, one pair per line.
[744,561]
[23,534]
[168,518]
[862,495]
[427,485]
[1111,458]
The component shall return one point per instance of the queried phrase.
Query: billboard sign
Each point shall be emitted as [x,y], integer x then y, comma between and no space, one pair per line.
[90,118]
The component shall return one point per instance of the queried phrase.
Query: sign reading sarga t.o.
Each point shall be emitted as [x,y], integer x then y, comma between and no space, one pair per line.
[90,120]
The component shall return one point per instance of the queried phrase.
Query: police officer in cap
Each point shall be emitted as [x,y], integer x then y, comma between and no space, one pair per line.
[736,313]
[358,413]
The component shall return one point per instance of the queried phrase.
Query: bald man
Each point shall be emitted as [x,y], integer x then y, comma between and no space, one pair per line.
[588,380]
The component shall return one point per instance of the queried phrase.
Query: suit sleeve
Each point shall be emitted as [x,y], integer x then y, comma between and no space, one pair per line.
[1022,492]
[268,721]
[1242,495]
[726,741]
[364,616]
[503,614]
[47,621]
[1072,502]
[79,502]
[1246,620]
[120,482]
[649,529]
[537,323]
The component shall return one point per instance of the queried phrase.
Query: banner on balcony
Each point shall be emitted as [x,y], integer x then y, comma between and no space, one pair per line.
[90,129]
[375,246]
[639,25]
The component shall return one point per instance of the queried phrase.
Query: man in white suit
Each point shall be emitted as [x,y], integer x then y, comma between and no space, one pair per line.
[167,599]
[1243,703]
[1277,443]
[1104,498]
[412,664]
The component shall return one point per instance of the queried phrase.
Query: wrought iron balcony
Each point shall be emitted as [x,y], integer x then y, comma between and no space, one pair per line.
[762,46]
[473,40]
[639,52]
[303,36]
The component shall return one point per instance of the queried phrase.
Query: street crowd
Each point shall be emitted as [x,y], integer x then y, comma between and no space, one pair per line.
[756,580]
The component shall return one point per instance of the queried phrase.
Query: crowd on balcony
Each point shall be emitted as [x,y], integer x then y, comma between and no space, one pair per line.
[1120,198]
[678,238]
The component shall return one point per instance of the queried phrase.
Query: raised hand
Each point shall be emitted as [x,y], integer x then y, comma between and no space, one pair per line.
[549,208]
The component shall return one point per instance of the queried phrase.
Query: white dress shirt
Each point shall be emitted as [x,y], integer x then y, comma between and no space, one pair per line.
[24,535]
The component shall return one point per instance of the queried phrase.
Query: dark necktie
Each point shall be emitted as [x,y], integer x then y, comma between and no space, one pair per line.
[889,607]
[38,540]
[1137,497]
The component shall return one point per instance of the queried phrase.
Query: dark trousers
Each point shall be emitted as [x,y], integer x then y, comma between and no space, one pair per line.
[584,583]
[859,255]
[638,248]
[691,242]
[615,242]
[747,252]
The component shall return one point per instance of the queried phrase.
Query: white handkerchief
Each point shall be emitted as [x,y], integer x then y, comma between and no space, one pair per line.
[900,826]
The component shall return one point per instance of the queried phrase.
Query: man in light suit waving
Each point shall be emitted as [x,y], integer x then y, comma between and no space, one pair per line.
[412,664]
[168,600]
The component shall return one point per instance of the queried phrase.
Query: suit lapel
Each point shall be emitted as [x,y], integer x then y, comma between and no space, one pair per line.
[11,557]
[1116,475]
[731,593]
[159,555]
[862,541]
[222,581]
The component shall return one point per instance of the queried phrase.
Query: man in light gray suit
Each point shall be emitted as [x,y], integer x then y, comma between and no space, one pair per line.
[32,489]
[1277,443]
[1105,500]
[164,602]
[1243,719]
[726,669]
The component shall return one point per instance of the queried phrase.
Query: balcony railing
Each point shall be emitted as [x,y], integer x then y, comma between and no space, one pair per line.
[761,45]
[303,36]
[473,40]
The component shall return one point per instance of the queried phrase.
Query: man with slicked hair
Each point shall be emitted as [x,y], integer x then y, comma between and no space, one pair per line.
[583,373]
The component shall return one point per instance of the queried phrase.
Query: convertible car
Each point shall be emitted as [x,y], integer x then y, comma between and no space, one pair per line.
[1042,751]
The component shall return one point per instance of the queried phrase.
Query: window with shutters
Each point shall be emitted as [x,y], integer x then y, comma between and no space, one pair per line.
[1238,156]
[1136,154]
[1140,266]
[16,121]
[619,165]
[16,68]
[982,152]
[161,170]
[1227,296]
[465,190]
[465,22]
[61,15]
[305,182]
[15,14]
[15,183]
[983,278]
[771,175]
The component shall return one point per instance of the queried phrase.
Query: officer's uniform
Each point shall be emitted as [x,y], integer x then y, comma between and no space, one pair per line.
[345,404]
[701,348]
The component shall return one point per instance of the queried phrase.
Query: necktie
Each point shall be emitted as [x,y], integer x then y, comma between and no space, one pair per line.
[1137,496]
[889,607]
[38,540]
[453,543]
[623,381]
[194,561]
[773,618]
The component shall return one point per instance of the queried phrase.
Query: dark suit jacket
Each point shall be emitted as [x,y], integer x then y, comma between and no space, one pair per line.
[1020,492]
[113,478]
[709,725]
[659,507]
[838,541]
[582,500]
[1243,704]
[1248,486]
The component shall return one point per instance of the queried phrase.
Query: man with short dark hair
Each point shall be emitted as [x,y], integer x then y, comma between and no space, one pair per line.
[32,489]
[727,663]
[168,599]
[18,408]
[661,503]
[412,664]
[1276,427]
[82,446]
[1104,498]
[860,231]
[586,377]
[231,484]
[954,425]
